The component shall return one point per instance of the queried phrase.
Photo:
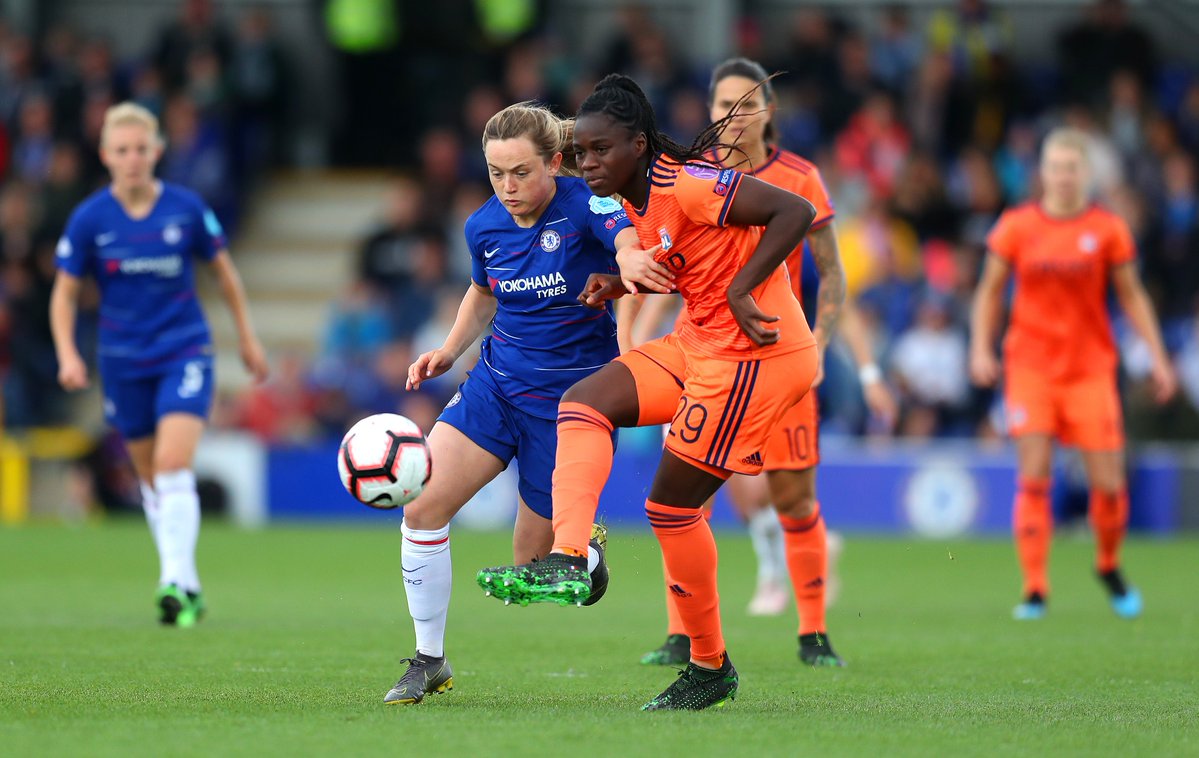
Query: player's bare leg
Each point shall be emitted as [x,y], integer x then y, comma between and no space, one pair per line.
[533,535]
[1032,522]
[1109,520]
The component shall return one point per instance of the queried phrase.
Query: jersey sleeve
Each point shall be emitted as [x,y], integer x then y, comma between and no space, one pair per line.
[706,193]
[1003,238]
[478,271]
[816,193]
[606,218]
[1121,247]
[75,246]
[211,239]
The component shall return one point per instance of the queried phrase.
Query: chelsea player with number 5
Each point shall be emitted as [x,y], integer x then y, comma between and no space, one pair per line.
[137,238]
[533,246]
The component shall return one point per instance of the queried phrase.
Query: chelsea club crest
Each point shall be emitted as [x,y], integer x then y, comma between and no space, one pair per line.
[550,240]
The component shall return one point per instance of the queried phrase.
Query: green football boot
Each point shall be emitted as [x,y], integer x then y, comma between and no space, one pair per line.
[557,578]
[197,600]
[175,608]
[816,651]
[698,688]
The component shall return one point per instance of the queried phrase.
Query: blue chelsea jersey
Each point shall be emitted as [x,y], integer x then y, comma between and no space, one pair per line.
[149,311]
[543,340]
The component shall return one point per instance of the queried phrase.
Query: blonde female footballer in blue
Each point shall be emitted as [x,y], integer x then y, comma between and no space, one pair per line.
[137,238]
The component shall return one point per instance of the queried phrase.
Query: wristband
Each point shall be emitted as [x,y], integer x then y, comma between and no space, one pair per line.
[870,374]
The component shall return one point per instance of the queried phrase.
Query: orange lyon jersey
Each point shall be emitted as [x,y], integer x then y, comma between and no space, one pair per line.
[788,171]
[1060,327]
[686,214]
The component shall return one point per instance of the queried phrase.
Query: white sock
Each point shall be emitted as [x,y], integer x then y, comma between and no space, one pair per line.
[425,561]
[150,508]
[178,528]
[765,533]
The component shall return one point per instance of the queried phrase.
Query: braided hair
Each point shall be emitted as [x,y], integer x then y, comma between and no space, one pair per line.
[618,97]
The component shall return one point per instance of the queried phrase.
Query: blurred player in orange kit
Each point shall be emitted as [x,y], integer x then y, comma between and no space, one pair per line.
[723,379]
[1059,359]
[792,453]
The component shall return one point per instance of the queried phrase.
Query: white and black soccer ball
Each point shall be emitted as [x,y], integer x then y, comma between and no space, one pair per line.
[384,461]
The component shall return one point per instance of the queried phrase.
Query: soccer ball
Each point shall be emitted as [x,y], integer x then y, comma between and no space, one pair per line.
[384,461]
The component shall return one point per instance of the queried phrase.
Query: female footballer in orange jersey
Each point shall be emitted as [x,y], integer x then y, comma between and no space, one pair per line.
[1059,364]
[792,453]
[723,379]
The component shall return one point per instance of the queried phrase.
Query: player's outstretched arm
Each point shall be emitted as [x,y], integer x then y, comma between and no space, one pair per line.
[786,218]
[474,314]
[984,321]
[64,305]
[252,354]
[1136,305]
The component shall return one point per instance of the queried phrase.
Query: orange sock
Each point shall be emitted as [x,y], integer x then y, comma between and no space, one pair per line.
[583,463]
[806,545]
[1109,519]
[689,552]
[674,621]
[1032,524]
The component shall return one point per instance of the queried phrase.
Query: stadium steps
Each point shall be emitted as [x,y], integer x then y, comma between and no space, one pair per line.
[296,252]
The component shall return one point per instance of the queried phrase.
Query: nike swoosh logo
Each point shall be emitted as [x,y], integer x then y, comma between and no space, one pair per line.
[489,253]
[104,239]
[408,571]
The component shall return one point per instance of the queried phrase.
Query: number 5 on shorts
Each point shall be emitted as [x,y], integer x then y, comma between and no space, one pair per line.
[193,379]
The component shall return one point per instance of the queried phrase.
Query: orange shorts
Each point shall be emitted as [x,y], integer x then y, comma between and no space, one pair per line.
[720,412]
[794,444]
[1084,413]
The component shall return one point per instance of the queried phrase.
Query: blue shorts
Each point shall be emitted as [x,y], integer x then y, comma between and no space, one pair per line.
[133,405]
[507,432]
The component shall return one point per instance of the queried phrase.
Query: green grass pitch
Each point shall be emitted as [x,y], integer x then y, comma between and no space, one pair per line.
[306,626]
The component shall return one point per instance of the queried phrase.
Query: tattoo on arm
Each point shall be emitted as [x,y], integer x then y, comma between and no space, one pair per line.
[831,293]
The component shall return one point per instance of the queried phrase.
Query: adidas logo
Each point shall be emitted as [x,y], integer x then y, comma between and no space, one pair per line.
[817,582]
[754,459]
[678,590]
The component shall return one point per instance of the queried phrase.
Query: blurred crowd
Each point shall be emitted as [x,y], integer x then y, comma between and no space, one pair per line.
[924,133]
[219,89]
